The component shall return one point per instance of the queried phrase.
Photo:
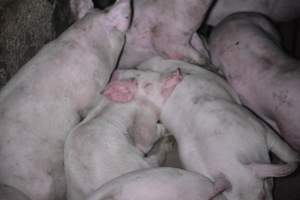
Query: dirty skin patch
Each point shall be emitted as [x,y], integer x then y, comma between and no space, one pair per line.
[281,98]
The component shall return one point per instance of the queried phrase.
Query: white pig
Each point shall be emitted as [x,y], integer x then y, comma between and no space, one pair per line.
[161,183]
[48,96]
[166,28]
[103,147]
[214,132]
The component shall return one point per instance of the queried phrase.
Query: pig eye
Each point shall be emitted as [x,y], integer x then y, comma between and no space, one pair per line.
[147,85]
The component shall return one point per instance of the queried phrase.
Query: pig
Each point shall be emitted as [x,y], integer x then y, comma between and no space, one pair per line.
[277,10]
[214,132]
[246,48]
[113,139]
[166,28]
[50,95]
[161,183]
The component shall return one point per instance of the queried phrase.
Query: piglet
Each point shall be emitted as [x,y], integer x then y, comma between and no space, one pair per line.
[161,183]
[167,28]
[114,138]
[215,134]
[246,48]
[50,95]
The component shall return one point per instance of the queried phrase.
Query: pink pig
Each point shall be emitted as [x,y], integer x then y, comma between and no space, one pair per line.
[215,134]
[162,184]
[246,48]
[166,27]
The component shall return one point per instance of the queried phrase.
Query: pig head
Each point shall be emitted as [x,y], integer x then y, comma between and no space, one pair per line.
[150,90]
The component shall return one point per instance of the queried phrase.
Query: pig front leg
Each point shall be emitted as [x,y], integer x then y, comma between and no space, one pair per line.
[284,152]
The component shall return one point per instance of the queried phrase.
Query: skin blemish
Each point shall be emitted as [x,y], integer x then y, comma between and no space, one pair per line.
[281,98]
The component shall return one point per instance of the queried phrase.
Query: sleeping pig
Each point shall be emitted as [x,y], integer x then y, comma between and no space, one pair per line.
[113,139]
[246,48]
[215,134]
[49,96]
[166,28]
[161,183]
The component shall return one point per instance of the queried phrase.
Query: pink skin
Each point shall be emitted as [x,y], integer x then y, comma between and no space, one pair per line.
[120,91]
[162,183]
[278,10]
[124,91]
[166,28]
[246,48]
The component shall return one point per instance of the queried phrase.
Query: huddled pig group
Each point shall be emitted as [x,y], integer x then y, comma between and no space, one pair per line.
[96,113]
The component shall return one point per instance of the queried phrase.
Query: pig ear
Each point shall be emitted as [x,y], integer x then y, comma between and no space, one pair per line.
[171,82]
[79,8]
[121,91]
[120,15]
[273,170]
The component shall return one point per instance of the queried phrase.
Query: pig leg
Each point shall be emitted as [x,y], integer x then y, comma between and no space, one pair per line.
[10,193]
[281,149]
[283,152]
[158,154]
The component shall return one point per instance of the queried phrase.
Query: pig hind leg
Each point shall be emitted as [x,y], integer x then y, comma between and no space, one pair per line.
[284,152]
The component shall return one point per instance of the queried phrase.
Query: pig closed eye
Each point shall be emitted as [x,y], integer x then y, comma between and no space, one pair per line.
[147,86]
